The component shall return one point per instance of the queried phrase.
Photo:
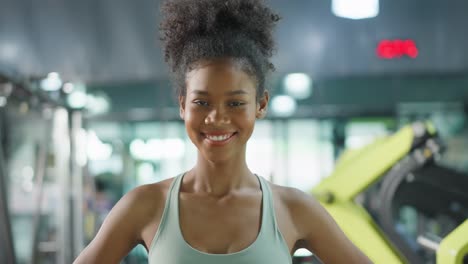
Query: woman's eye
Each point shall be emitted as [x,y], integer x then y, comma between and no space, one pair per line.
[235,104]
[201,103]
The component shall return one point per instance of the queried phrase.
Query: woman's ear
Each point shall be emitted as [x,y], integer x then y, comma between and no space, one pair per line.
[182,107]
[262,105]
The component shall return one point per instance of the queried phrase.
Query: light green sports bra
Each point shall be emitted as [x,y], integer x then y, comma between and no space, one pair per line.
[169,247]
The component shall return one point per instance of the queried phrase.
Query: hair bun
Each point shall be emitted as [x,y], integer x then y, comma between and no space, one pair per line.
[187,20]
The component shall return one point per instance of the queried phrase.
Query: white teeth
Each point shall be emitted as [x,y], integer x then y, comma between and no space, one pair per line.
[218,138]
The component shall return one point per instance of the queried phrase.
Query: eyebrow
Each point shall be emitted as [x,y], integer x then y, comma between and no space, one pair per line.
[235,92]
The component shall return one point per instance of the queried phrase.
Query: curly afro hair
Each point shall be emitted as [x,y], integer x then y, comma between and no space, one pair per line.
[197,30]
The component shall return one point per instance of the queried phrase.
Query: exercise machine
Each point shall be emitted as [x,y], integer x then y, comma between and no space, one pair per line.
[376,192]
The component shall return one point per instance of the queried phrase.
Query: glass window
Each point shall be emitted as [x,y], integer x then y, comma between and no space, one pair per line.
[360,134]
[309,153]
[260,150]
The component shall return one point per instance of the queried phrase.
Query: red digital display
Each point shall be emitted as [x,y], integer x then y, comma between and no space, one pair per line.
[392,49]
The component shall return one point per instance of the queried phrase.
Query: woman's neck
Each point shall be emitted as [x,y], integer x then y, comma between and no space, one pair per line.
[220,178]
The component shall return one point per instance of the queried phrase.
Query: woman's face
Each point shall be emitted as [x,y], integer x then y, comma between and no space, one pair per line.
[220,108]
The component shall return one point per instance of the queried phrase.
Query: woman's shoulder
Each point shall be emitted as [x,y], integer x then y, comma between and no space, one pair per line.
[151,190]
[148,197]
[298,203]
[141,204]
[290,195]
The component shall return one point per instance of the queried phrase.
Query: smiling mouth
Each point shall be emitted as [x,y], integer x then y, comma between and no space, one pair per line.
[219,138]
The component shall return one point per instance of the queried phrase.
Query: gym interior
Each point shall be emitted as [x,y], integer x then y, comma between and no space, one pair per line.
[368,113]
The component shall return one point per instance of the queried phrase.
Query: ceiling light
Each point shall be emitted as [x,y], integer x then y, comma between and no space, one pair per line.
[52,82]
[97,103]
[68,88]
[283,105]
[298,85]
[77,99]
[355,9]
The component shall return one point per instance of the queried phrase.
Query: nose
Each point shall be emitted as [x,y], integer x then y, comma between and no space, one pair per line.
[217,116]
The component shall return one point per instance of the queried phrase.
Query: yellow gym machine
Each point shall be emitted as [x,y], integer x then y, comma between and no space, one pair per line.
[395,172]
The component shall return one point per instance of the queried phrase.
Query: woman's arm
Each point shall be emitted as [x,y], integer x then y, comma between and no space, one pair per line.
[320,234]
[120,232]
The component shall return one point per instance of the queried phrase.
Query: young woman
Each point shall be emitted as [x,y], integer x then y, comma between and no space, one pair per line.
[219,211]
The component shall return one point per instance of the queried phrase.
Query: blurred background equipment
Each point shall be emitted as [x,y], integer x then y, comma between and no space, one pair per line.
[87,113]
[40,180]
[413,204]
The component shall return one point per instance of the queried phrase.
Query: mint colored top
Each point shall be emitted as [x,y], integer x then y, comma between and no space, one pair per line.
[169,246]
